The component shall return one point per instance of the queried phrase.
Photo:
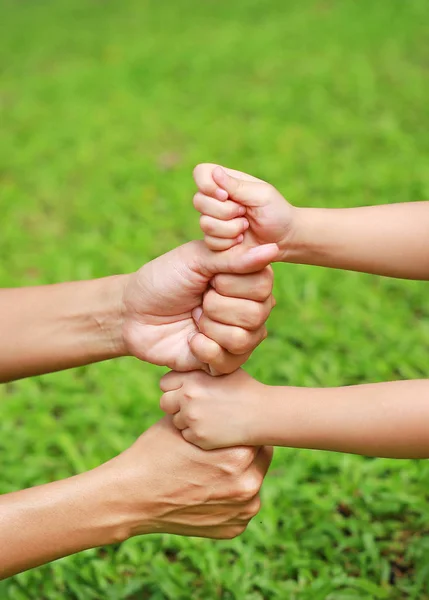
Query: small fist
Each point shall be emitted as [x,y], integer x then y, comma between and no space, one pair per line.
[237,207]
[213,412]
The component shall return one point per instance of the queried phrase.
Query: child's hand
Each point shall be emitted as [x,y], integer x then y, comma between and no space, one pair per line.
[213,412]
[236,206]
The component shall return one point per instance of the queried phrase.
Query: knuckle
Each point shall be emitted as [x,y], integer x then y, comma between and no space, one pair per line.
[236,227]
[255,315]
[221,281]
[266,281]
[268,191]
[192,415]
[230,209]
[214,354]
[253,507]
[261,291]
[249,487]
[239,340]
[206,224]
[212,243]
[238,459]
[263,287]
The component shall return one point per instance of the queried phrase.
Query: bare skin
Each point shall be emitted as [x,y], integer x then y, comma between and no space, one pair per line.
[161,484]
[390,240]
[388,419]
[383,419]
[183,310]
[151,314]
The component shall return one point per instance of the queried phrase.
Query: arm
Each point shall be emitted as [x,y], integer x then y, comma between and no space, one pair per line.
[54,327]
[150,314]
[382,419]
[391,240]
[137,492]
[41,524]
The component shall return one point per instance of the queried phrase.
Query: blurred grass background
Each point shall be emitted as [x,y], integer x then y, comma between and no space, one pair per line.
[105,109]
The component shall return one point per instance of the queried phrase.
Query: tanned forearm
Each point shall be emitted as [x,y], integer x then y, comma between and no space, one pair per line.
[54,327]
[57,519]
[390,240]
[383,419]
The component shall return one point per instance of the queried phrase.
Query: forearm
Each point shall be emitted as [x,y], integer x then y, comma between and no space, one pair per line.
[383,419]
[391,240]
[57,519]
[54,327]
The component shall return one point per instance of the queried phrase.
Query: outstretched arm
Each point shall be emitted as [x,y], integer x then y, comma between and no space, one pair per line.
[135,493]
[382,419]
[149,314]
[391,239]
[54,327]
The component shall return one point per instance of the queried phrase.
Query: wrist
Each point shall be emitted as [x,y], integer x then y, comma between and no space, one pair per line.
[127,510]
[110,317]
[261,416]
[304,240]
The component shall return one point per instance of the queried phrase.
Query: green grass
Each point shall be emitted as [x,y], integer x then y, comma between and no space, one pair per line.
[106,108]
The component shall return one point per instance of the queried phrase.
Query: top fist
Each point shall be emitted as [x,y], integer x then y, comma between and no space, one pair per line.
[237,207]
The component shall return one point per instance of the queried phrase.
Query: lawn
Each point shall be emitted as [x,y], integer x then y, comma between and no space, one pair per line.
[106,108]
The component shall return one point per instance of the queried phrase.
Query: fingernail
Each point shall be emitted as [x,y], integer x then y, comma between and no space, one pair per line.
[240,238]
[241,211]
[245,224]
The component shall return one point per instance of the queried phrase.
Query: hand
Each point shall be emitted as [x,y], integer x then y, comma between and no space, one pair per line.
[213,412]
[172,317]
[166,485]
[161,484]
[255,211]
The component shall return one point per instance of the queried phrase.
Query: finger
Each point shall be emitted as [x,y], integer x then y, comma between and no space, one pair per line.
[247,193]
[219,210]
[190,437]
[218,244]
[170,402]
[220,360]
[234,339]
[239,260]
[203,177]
[254,286]
[171,381]
[223,229]
[239,312]
[179,421]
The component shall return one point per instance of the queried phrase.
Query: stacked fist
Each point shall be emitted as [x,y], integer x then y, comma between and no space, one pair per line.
[235,209]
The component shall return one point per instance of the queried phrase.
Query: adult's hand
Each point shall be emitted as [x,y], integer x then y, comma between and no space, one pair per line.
[173,317]
[161,484]
[147,314]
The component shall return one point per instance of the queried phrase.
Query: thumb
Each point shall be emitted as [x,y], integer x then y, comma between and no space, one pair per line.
[247,193]
[240,260]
